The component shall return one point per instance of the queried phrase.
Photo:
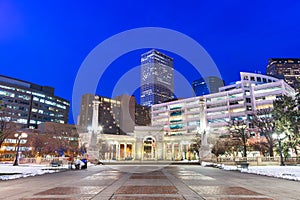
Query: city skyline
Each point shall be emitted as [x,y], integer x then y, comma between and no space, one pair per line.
[50,40]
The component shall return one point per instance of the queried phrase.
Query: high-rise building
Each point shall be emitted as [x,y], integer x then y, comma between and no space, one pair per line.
[108,113]
[208,85]
[30,104]
[285,68]
[157,78]
[115,116]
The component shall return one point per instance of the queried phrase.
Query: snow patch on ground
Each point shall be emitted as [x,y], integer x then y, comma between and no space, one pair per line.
[285,172]
[8,171]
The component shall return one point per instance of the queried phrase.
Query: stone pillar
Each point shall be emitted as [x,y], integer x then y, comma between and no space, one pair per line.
[159,149]
[125,150]
[133,151]
[118,151]
[172,156]
[203,124]
[138,150]
[205,151]
[95,120]
[92,149]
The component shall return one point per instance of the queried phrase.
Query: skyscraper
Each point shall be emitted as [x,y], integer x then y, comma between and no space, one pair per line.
[285,68]
[207,85]
[157,78]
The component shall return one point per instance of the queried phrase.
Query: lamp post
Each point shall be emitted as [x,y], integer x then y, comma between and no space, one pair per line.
[279,137]
[19,136]
[99,129]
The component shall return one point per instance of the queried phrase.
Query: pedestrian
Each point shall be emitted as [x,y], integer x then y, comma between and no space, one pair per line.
[70,162]
[77,163]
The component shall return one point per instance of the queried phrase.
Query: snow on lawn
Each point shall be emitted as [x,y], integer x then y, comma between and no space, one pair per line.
[8,171]
[285,172]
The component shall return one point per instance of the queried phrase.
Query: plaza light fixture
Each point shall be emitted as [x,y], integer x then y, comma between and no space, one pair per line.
[19,136]
[99,129]
[279,137]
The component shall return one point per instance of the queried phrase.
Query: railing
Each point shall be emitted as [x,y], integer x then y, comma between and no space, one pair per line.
[258,160]
[270,159]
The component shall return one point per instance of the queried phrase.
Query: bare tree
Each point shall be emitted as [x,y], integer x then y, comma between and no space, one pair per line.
[264,123]
[7,127]
[196,143]
[42,144]
[239,130]
[66,137]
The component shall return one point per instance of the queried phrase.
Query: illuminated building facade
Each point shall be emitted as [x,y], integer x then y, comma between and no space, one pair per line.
[181,117]
[242,99]
[30,104]
[285,68]
[157,78]
[236,101]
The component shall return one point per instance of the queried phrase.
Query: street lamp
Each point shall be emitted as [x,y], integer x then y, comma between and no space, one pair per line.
[279,137]
[19,136]
[99,129]
[89,129]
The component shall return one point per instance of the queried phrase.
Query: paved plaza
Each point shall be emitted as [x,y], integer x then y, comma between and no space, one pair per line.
[149,182]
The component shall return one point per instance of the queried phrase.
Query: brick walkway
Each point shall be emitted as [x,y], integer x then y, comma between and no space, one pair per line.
[157,184]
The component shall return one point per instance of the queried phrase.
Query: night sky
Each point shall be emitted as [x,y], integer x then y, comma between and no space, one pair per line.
[45,42]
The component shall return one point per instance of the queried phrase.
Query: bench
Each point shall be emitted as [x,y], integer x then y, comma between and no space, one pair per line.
[56,163]
[242,164]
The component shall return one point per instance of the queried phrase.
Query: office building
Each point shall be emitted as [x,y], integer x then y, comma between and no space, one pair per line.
[241,99]
[29,104]
[285,68]
[108,113]
[115,116]
[157,78]
[177,118]
[236,101]
[208,85]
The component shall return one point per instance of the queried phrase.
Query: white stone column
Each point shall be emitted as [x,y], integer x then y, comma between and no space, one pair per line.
[95,120]
[133,151]
[125,150]
[139,150]
[173,156]
[118,151]
[159,150]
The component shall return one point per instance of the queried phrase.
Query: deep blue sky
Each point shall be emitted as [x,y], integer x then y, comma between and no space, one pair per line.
[45,42]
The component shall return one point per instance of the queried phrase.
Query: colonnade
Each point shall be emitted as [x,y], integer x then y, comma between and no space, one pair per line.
[145,151]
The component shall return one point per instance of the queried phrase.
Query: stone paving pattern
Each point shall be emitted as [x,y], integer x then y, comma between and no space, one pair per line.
[169,183]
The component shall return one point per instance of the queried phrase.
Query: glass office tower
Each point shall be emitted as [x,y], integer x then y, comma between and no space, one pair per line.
[157,78]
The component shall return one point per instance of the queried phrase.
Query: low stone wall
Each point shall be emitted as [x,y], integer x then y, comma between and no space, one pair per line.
[42,161]
[258,161]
